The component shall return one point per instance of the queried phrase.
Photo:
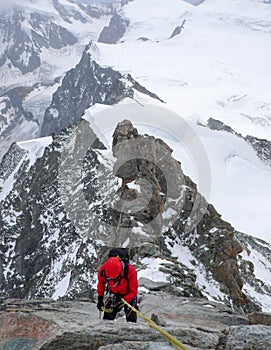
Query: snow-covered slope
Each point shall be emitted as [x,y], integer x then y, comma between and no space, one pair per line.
[218,66]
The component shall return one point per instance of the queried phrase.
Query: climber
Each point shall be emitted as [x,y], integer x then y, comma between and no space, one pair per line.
[118,278]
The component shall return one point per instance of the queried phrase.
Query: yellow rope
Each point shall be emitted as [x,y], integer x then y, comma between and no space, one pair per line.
[173,341]
[108,311]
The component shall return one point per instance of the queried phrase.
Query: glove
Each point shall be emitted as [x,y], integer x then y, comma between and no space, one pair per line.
[100,303]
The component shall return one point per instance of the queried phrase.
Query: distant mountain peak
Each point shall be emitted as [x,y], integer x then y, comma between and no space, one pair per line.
[88,83]
[25,34]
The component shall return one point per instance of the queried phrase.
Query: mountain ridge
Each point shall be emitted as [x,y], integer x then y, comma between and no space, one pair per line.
[34,208]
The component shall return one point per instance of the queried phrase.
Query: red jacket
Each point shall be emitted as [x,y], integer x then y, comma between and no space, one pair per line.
[127,288]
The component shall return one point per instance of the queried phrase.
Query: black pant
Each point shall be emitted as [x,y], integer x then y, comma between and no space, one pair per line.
[110,303]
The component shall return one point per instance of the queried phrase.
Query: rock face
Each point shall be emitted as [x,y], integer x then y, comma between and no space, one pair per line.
[36,232]
[13,161]
[260,318]
[217,248]
[247,337]
[253,249]
[138,162]
[72,325]
[138,159]
[114,31]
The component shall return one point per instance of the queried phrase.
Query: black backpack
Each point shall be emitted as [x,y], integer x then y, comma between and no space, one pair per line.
[123,255]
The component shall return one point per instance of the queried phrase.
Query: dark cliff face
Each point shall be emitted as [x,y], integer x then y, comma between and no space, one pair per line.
[83,86]
[86,84]
[40,246]
[114,31]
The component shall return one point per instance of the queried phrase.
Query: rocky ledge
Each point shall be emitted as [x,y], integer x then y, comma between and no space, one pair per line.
[76,325]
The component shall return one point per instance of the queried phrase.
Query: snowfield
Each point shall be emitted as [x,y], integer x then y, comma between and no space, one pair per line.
[219,66]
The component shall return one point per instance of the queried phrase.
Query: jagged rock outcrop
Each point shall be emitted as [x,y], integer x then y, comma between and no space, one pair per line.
[254,250]
[261,146]
[177,30]
[198,225]
[83,86]
[138,162]
[215,124]
[73,325]
[115,30]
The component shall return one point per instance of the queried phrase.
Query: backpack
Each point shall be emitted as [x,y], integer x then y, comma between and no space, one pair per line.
[123,255]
